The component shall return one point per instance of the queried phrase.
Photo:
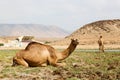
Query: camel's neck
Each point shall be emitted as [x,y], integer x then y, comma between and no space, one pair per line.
[68,51]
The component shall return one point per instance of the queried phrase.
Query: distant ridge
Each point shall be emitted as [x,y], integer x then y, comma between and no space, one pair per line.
[89,33]
[37,30]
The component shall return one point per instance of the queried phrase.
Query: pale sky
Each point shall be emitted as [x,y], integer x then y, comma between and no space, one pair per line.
[67,14]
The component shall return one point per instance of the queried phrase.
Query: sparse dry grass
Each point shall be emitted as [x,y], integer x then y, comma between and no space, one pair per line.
[81,65]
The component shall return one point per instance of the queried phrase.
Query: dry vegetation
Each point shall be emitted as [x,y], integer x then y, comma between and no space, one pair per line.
[81,65]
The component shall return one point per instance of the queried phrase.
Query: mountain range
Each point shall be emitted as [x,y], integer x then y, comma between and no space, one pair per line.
[36,30]
[89,33]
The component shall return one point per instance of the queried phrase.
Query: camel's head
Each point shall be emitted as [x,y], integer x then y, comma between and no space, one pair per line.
[74,41]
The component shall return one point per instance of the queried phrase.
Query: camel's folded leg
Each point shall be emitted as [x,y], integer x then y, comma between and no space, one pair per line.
[60,64]
[56,64]
[54,61]
[42,65]
[22,62]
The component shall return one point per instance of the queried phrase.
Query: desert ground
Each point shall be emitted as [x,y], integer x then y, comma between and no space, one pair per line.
[80,65]
[85,63]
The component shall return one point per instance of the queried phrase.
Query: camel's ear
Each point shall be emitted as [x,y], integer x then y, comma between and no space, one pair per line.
[76,39]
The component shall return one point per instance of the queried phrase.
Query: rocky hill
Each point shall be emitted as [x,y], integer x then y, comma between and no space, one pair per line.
[89,33]
[37,30]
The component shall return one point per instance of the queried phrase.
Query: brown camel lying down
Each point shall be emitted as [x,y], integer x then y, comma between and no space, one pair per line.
[37,54]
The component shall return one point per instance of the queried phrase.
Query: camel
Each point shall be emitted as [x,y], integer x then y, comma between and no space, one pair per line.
[37,54]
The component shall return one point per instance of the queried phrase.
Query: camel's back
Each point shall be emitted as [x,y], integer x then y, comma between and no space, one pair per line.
[36,45]
[41,48]
[32,45]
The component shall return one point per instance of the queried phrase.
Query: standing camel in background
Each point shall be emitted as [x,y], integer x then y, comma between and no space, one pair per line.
[37,54]
[101,45]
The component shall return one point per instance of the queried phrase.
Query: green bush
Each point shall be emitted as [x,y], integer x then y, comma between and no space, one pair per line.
[1,44]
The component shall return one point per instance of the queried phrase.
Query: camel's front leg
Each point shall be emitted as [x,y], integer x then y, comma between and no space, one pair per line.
[20,62]
[57,64]
[42,65]
[23,62]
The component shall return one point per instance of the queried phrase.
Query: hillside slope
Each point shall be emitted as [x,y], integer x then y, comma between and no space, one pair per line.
[89,34]
[36,30]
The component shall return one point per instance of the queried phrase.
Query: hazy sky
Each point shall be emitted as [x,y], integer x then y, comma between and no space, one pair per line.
[67,14]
